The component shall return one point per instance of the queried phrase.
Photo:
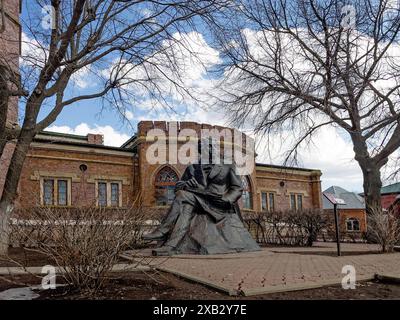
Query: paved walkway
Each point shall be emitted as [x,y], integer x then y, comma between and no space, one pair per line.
[280,269]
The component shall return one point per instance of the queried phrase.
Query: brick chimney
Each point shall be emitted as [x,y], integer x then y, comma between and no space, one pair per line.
[97,139]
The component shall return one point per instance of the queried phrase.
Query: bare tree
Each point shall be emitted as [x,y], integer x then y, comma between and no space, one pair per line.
[384,229]
[299,66]
[117,42]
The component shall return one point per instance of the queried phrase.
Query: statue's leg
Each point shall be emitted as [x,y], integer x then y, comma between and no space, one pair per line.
[187,205]
[181,226]
[168,223]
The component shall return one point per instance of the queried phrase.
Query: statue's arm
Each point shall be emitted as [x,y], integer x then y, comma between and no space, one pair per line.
[235,188]
[187,175]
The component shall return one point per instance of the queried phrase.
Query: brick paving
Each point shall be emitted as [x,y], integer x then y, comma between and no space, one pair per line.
[280,269]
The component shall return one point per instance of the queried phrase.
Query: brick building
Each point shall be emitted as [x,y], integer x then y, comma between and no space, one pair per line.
[352,215]
[10,48]
[390,197]
[72,171]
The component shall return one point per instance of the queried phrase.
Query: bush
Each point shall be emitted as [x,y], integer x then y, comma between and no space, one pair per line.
[292,227]
[383,229]
[85,242]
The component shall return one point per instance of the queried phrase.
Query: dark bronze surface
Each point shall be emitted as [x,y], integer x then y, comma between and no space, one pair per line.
[204,217]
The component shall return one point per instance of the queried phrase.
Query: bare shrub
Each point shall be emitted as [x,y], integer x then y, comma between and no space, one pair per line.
[84,243]
[312,221]
[383,228]
[291,227]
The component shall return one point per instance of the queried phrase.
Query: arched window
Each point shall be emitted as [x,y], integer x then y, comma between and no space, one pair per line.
[247,198]
[352,224]
[165,182]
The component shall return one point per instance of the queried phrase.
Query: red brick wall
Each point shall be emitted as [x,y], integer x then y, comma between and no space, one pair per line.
[300,182]
[387,200]
[9,56]
[10,38]
[345,214]
[42,160]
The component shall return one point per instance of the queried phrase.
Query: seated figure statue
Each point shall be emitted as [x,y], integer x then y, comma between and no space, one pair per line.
[204,217]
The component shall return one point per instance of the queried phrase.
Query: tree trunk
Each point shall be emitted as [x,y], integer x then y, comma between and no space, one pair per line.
[371,172]
[5,213]
[11,185]
[372,186]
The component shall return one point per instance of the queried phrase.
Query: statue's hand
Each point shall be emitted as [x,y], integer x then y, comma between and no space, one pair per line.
[192,183]
[180,185]
[222,201]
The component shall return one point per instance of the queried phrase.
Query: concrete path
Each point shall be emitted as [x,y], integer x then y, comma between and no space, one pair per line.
[280,269]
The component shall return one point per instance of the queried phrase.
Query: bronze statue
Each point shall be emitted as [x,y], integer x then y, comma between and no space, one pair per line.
[204,217]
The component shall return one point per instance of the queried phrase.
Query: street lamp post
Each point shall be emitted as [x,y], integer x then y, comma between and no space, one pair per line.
[335,212]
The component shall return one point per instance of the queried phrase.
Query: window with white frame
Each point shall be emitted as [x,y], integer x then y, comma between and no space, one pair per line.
[108,193]
[267,201]
[296,201]
[55,191]
[353,224]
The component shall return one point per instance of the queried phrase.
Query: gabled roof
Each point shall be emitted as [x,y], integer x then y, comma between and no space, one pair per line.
[130,142]
[391,188]
[352,199]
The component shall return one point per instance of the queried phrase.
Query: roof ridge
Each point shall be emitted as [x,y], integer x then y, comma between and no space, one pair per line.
[61,134]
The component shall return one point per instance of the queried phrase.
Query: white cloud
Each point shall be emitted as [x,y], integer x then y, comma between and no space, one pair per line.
[81,78]
[181,62]
[330,153]
[129,115]
[34,56]
[334,156]
[33,53]
[111,136]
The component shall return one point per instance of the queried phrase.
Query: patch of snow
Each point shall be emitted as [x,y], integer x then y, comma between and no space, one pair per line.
[25,293]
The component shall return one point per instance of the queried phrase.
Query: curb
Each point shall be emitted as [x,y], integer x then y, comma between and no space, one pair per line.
[388,277]
[202,281]
[297,287]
